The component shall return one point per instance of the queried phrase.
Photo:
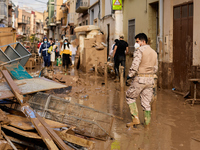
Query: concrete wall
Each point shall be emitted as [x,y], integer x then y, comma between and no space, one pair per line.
[59,12]
[106,18]
[92,2]
[108,7]
[135,10]
[73,10]
[104,29]
[196,36]
[96,12]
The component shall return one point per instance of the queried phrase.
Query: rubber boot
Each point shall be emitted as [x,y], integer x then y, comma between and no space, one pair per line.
[134,113]
[147,118]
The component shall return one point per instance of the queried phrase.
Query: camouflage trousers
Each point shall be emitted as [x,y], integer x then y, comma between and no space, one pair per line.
[143,87]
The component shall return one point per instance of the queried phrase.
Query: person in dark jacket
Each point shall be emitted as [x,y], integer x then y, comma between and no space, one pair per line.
[44,50]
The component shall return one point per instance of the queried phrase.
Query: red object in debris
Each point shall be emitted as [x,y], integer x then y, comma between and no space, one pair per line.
[38,46]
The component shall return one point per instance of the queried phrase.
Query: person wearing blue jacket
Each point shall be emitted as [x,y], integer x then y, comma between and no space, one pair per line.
[44,50]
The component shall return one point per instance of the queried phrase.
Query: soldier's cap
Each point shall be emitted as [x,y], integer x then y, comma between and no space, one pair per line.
[121,36]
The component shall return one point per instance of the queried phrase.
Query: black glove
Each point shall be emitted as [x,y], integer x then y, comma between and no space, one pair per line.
[128,78]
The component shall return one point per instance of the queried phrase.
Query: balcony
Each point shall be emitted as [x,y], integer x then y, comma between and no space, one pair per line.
[22,21]
[52,21]
[82,6]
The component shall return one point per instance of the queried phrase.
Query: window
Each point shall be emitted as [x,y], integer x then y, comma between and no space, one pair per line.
[86,22]
[191,10]
[3,10]
[177,12]
[23,29]
[95,22]
[23,18]
[28,20]
[92,16]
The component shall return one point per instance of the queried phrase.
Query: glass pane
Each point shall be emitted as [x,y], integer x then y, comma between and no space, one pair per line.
[191,10]
[184,11]
[177,12]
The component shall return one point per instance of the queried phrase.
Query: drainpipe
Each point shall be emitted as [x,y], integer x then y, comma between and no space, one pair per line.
[161,27]
[160,44]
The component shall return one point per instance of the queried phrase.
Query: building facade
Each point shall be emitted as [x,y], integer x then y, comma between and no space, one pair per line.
[24,22]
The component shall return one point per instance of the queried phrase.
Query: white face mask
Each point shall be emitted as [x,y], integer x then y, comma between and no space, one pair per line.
[136,45]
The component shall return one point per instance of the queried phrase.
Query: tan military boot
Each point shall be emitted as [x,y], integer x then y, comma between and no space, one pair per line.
[135,121]
[134,113]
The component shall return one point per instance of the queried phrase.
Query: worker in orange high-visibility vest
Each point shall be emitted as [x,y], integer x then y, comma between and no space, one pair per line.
[66,54]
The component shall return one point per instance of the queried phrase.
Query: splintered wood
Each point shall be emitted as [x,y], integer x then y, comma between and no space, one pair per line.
[32,116]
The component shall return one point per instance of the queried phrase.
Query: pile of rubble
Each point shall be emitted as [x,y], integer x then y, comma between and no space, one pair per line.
[32,119]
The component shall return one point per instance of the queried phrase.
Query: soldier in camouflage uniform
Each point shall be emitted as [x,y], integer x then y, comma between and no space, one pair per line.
[142,71]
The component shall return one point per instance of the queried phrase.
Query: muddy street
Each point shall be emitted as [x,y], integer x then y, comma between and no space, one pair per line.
[173,126]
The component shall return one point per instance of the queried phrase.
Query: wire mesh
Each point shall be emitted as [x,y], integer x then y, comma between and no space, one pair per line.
[88,121]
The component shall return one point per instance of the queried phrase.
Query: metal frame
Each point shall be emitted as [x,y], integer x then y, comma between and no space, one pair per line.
[78,119]
[23,54]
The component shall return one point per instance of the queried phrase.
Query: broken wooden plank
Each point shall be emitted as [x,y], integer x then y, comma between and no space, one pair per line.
[21,132]
[24,124]
[26,143]
[39,127]
[76,140]
[29,86]
[29,112]
[55,137]
[11,144]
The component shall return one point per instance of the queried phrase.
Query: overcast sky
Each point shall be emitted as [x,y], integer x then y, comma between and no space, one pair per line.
[36,5]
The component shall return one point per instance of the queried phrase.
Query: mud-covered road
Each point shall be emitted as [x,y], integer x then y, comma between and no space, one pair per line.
[174,126]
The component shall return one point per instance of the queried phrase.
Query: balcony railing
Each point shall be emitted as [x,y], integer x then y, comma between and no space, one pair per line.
[82,6]
[22,21]
[52,21]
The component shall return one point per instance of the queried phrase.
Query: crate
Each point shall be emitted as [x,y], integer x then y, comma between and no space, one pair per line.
[88,121]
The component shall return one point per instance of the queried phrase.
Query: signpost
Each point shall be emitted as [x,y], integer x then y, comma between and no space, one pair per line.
[117,4]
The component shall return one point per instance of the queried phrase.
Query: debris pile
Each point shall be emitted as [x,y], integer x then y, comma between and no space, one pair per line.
[31,119]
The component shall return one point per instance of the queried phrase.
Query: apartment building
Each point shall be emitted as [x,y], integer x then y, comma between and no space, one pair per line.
[69,20]
[39,25]
[82,7]
[7,15]
[24,22]
[51,18]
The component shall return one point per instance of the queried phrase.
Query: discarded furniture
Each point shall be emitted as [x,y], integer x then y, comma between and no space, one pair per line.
[10,55]
[45,131]
[31,63]
[194,99]
[88,121]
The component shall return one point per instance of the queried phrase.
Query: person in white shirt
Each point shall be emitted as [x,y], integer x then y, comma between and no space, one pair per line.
[73,49]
